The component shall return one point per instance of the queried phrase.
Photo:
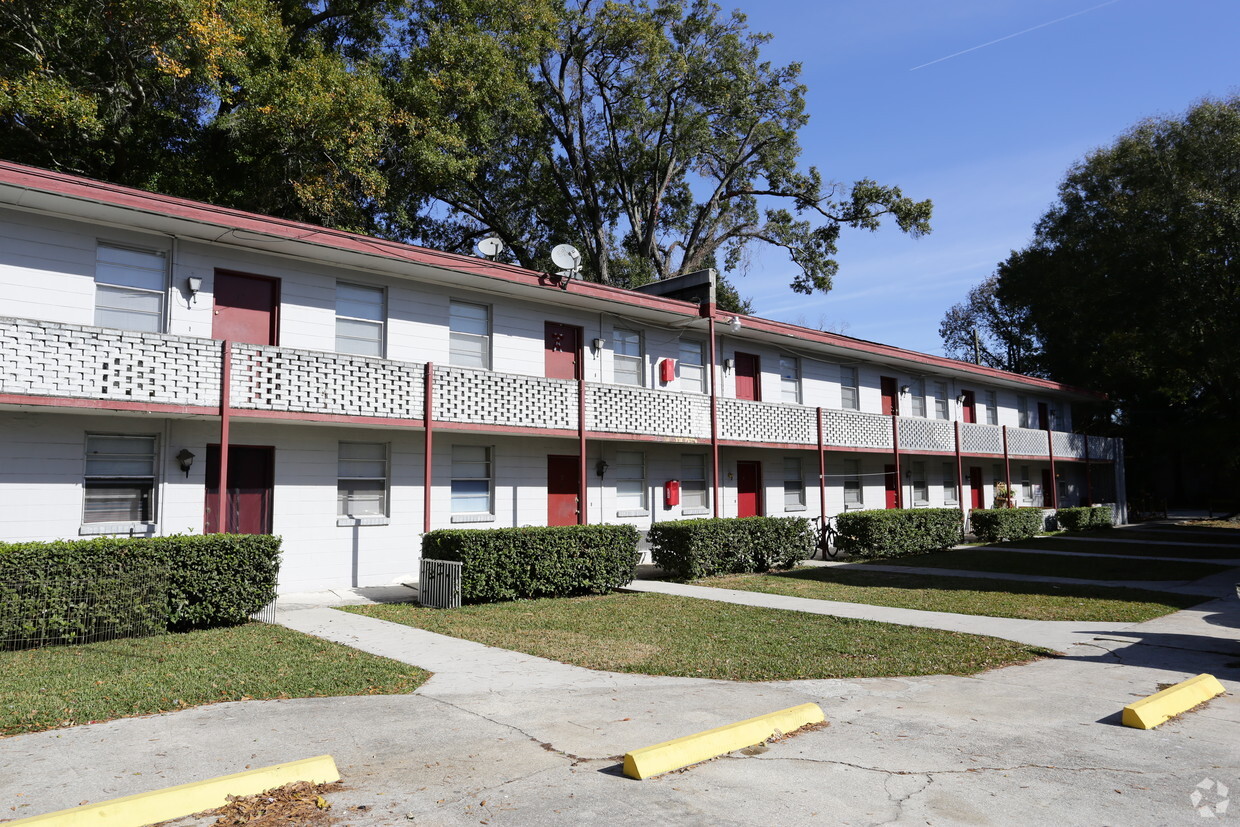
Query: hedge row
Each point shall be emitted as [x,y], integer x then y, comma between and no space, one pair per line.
[1085,518]
[894,532]
[65,587]
[991,525]
[692,549]
[537,561]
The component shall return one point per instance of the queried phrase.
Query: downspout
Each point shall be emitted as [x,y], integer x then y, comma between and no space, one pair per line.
[709,310]
[1050,452]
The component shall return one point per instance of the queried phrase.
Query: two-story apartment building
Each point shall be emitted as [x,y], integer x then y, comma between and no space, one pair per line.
[353,393]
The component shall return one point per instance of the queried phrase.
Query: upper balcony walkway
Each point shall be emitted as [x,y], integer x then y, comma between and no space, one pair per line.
[47,364]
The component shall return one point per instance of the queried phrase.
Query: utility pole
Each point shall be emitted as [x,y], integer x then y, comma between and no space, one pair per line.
[977,348]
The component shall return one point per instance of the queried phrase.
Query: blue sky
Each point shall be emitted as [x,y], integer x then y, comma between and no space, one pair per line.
[987,135]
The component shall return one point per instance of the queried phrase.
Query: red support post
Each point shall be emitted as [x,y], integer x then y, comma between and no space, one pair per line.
[895,448]
[581,448]
[960,473]
[221,520]
[428,417]
[1050,452]
[1007,467]
[822,471]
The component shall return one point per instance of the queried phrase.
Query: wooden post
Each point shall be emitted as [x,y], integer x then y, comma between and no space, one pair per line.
[221,519]
[428,417]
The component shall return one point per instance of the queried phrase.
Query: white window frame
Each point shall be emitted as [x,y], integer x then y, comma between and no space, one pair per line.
[942,409]
[1026,486]
[346,506]
[854,491]
[920,485]
[790,381]
[794,484]
[463,515]
[1022,411]
[692,375]
[951,493]
[697,485]
[917,392]
[116,290]
[623,466]
[850,390]
[148,481]
[992,408]
[629,360]
[379,325]
[460,357]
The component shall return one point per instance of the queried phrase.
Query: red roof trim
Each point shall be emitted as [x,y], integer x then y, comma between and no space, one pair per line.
[73,186]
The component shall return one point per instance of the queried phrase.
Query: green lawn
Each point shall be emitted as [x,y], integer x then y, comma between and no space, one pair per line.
[657,634]
[67,685]
[1118,546]
[963,595]
[995,559]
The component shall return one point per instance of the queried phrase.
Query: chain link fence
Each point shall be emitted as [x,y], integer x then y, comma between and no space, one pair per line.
[48,612]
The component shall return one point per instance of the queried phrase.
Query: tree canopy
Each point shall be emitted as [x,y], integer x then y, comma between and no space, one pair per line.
[986,330]
[652,135]
[1132,282]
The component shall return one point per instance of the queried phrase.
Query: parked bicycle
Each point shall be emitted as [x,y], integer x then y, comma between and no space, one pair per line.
[828,535]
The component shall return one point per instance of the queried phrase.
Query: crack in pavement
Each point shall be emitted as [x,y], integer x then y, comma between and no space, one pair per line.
[931,773]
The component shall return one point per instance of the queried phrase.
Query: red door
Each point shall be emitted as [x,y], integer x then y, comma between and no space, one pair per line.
[968,410]
[251,474]
[246,309]
[748,384]
[563,483]
[562,345]
[891,398]
[1044,416]
[891,486]
[977,494]
[1047,497]
[748,489]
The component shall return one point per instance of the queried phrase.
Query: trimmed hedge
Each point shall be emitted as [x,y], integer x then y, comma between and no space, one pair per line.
[1084,518]
[692,549]
[537,561]
[212,579]
[898,531]
[991,525]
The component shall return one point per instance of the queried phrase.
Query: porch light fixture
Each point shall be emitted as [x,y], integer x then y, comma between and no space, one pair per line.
[735,324]
[195,284]
[601,467]
[905,389]
[598,345]
[960,399]
[186,460]
[728,364]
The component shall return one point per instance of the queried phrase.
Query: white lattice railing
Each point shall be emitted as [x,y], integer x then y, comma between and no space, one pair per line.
[627,409]
[482,397]
[747,421]
[927,435]
[302,381]
[1068,446]
[853,429]
[72,361]
[1101,447]
[1027,442]
[981,439]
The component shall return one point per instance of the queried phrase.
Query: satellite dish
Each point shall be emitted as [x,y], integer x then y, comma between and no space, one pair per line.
[490,246]
[566,257]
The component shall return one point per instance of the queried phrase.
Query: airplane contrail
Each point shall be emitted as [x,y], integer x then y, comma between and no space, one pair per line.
[1016,34]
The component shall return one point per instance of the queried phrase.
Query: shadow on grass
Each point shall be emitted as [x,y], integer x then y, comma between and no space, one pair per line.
[920,582]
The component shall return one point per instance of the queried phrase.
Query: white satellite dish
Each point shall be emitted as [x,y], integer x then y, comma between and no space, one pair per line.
[566,257]
[490,246]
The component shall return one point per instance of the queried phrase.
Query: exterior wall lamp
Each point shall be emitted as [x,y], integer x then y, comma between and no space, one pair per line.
[735,324]
[601,467]
[728,364]
[597,344]
[904,389]
[195,284]
[185,459]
